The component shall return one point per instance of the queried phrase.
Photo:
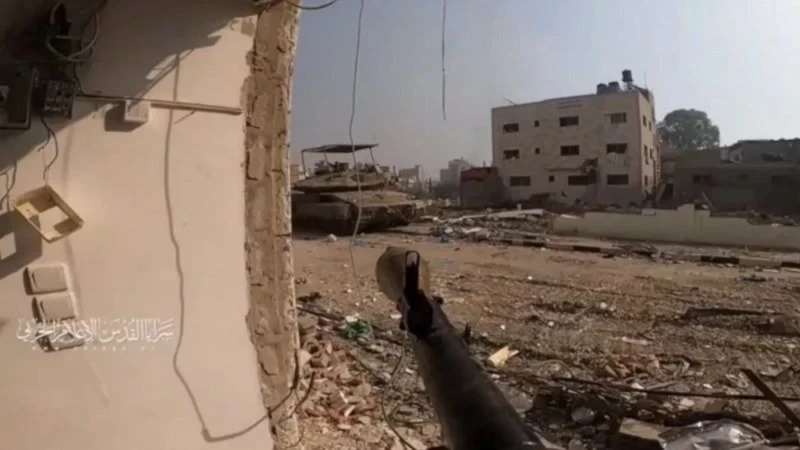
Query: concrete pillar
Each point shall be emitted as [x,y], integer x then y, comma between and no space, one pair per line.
[272,317]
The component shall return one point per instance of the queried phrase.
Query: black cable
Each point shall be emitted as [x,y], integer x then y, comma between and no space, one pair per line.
[50,134]
[311,8]
[11,180]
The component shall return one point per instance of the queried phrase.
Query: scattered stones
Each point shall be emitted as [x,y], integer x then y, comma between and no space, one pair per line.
[306,325]
[583,416]
[363,390]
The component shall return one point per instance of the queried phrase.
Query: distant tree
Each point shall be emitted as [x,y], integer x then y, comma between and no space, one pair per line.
[688,129]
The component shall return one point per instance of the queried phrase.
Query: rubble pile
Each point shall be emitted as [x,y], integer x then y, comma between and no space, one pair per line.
[354,395]
[351,391]
[481,227]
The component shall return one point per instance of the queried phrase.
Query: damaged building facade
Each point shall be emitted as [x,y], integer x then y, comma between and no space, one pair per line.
[597,149]
[751,175]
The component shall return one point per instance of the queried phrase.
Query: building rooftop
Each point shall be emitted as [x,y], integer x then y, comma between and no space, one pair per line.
[753,151]
[639,90]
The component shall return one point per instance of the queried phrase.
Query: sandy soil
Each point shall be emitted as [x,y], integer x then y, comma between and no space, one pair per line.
[618,320]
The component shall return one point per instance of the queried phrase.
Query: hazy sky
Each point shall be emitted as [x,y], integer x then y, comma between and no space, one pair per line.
[738,60]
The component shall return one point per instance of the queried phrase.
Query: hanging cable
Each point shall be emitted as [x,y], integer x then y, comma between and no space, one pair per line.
[353,99]
[353,149]
[48,165]
[84,53]
[444,78]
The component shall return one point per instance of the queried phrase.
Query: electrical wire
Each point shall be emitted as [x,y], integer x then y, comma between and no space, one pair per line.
[311,8]
[353,149]
[444,75]
[10,174]
[75,57]
[50,134]
[353,99]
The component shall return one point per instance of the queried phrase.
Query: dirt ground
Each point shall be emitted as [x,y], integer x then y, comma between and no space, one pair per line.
[620,320]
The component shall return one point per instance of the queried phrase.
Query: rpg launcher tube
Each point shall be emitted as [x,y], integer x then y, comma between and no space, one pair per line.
[472,411]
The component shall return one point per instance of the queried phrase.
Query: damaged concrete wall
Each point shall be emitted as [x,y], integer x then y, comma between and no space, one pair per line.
[482,187]
[272,317]
[684,226]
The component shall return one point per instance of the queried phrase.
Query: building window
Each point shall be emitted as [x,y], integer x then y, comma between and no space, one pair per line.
[519,181]
[646,181]
[616,148]
[570,150]
[511,128]
[618,118]
[652,153]
[616,180]
[511,154]
[702,179]
[551,178]
[569,121]
[644,121]
[537,151]
[646,156]
[577,180]
[535,123]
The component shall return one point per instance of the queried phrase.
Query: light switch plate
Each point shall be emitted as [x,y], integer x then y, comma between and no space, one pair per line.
[57,307]
[48,278]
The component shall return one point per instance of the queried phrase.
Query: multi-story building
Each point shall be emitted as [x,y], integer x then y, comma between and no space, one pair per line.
[593,149]
[452,174]
[754,175]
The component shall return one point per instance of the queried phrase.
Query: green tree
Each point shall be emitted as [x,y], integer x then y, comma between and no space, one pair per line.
[688,129]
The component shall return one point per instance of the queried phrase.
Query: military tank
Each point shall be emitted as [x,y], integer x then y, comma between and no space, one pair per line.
[329,199]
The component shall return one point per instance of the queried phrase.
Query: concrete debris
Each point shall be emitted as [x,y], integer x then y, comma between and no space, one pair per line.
[663,346]
[499,358]
[754,278]
[629,340]
[635,434]
[583,416]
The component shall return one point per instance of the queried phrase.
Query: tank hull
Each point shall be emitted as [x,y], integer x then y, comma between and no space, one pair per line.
[338,212]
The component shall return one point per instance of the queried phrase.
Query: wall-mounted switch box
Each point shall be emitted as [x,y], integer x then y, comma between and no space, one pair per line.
[58,314]
[59,97]
[136,111]
[57,307]
[49,278]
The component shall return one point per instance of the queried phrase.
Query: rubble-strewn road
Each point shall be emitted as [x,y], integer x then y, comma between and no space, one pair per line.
[618,320]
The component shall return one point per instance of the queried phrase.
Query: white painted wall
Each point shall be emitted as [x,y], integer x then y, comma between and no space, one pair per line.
[163,238]
[684,226]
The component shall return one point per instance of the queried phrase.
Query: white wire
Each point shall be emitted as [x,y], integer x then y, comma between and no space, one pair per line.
[74,57]
[404,442]
[353,150]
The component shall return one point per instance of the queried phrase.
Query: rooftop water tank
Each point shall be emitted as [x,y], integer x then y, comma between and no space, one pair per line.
[627,76]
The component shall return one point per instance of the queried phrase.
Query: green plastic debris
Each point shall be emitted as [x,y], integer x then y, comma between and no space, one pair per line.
[357,330]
